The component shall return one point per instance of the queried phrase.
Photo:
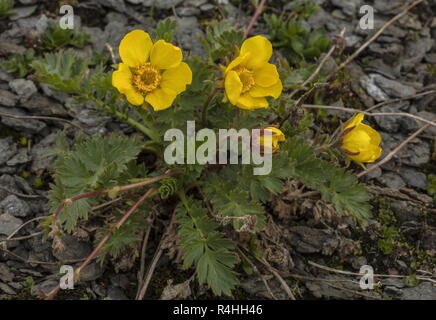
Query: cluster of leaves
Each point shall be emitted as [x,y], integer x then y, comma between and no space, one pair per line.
[93,164]
[206,248]
[293,37]
[226,198]
[55,37]
[19,63]
[220,39]
[5,7]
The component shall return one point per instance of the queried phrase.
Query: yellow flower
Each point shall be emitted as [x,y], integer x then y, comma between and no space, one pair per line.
[360,142]
[270,143]
[250,78]
[150,72]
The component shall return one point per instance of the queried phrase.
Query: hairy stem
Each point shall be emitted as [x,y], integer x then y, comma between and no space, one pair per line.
[116,189]
[206,105]
[124,117]
[103,241]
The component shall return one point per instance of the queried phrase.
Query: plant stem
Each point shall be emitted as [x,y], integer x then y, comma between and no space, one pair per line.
[206,105]
[69,201]
[103,241]
[123,117]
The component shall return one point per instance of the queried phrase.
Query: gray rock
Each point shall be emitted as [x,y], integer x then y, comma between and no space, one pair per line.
[6,289]
[23,12]
[7,149]
[348,7]
[44,287]
[323,290]
[194,3]
[424,291]
[419,48]
[135,1]
[388,124]
[45,106]
[187,11]
[414,154]
[27,2]
[409,124]
[404,212]
[24,88]
[40,153]
[9,224]
[5,273]
[392,180]
[74,249]
[414,178]
[118,17]
[115,293]
[29,126]
[207,7]
[392,88]
[91,272]
[388,7]
[311,240]
[377,172]
[187,34]
[9,183]
[162,4]
[117,5]
[42,24]
[429,116]
[4,76]
[95,122]
[15,206]
[8,99]
[372,89]
[20,158]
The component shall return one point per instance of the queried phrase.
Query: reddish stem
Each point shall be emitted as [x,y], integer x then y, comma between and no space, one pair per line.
[103,191]
[103,241]
[254,18]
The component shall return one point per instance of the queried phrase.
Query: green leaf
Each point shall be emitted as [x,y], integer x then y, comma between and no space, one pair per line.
[165,30]
[55,37]
[230,201]
[93,164]
[5,7]
[19,63]
[63,71]
[336,185]
[206,248]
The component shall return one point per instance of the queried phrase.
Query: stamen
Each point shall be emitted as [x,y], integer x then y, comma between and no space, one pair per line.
[247,78]
[146,78]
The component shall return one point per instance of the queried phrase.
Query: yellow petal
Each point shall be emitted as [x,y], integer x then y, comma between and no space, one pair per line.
[354,121]
[121,78]
[279,135]
[134,97]
[177,78]
[266,76]
[374,135]
[233,86]
[236,62]
[161,98]
[367,156]
[135,48]
[260,49]
[248,102]
[164,55]
[274,91]
[356,140]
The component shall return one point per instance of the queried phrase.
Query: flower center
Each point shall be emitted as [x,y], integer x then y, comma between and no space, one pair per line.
[146,78]
[247,78]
